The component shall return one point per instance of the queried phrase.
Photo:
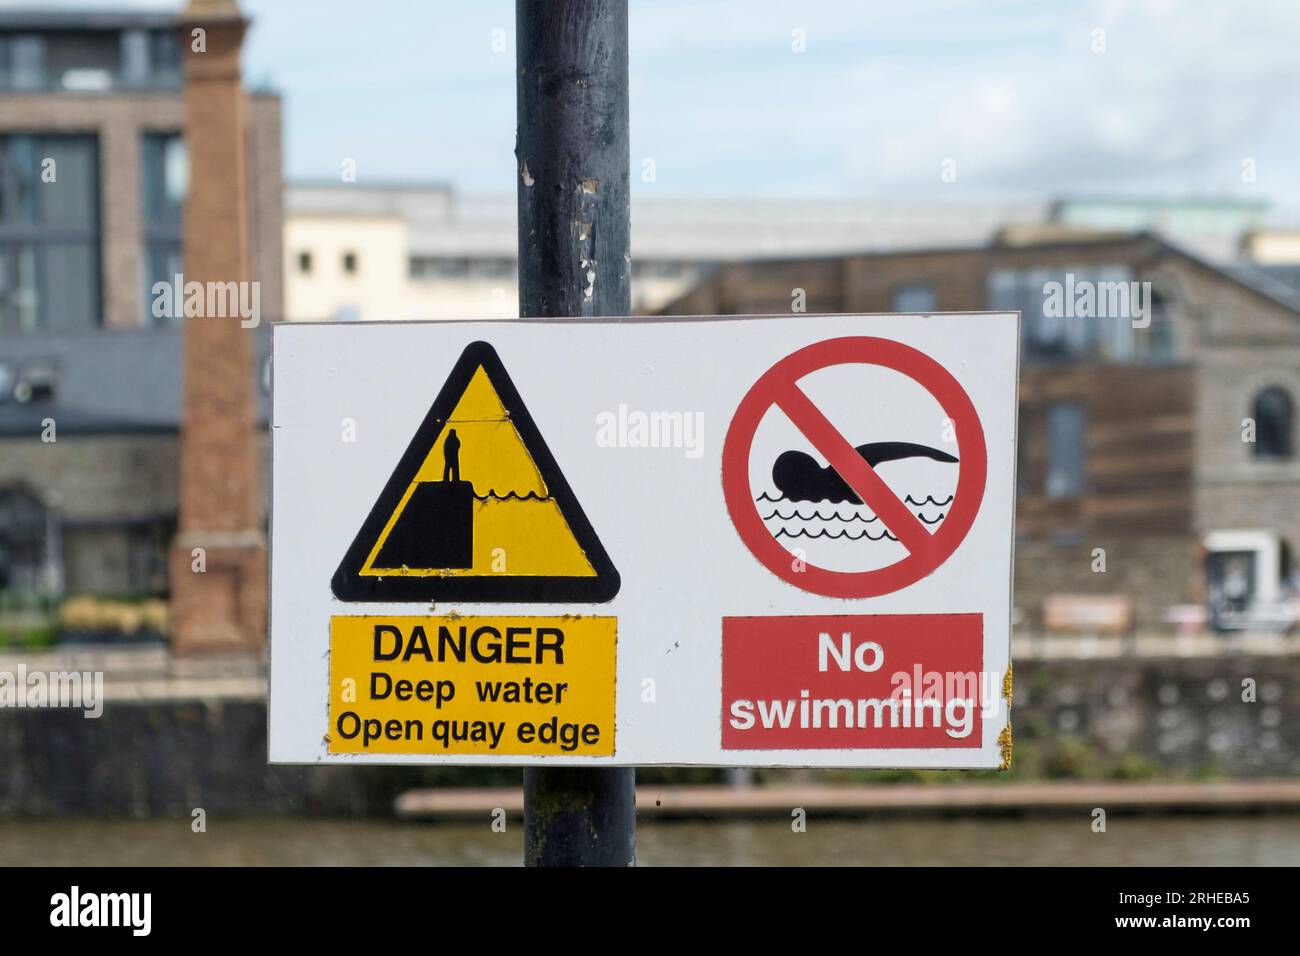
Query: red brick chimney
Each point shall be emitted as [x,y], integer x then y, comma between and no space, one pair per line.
[218,561]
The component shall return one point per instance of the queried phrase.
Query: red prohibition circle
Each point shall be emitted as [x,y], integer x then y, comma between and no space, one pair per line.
[778,387]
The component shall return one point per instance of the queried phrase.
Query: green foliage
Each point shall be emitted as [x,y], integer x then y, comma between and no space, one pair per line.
[1131,766]
[1072,758]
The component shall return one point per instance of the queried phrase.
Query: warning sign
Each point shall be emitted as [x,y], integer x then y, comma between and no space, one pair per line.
[811,518]
[472,685]
[880,513]
[477,509]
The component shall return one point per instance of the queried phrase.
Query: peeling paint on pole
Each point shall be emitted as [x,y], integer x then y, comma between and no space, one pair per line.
[572,151]
[574,261]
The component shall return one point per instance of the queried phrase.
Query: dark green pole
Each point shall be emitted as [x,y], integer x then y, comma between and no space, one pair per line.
[574,261]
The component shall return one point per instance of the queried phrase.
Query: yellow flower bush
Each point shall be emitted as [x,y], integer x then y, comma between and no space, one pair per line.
[100,614]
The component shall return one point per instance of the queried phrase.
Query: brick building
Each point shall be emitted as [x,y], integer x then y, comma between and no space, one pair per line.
[1134,440]
[94,178]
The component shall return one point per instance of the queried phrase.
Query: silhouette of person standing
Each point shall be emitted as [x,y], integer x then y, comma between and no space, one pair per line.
[451,457]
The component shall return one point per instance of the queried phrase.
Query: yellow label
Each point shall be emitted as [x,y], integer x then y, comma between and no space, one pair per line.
[472,685]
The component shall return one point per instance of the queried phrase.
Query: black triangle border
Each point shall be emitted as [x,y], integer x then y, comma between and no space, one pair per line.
[348,585]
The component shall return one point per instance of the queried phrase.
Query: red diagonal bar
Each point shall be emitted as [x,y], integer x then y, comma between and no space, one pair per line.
[853,468]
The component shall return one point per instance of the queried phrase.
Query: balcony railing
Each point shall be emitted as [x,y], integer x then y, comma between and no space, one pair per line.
[87,80]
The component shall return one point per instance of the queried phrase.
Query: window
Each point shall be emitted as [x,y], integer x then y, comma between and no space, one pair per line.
[164,171]
[304,263]
[49,232]
[95,58]
[350,263]
[914,298]
[660,269]
[165,58]
[1161,344]
[491,268]
[135,58]
[1272,414]
[1074,314]
[24,549]
[1065,450]
[1244,576]
[26,62]
[436,267]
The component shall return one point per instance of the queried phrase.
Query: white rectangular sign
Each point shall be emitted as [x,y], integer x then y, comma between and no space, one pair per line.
[771,541]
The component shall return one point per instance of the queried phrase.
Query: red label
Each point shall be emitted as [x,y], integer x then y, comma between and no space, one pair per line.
[853,682]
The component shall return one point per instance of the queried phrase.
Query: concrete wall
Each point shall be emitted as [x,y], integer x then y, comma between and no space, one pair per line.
[1183,717]
[115,477]
[161,760]
[111,477]
[116,500]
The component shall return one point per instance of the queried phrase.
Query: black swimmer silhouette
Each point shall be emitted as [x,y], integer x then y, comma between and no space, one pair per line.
[800,478]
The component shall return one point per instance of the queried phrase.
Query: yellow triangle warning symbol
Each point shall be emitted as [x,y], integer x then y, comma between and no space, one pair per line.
[477,509]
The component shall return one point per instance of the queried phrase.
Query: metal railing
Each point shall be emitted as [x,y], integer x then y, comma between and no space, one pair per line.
[88,80]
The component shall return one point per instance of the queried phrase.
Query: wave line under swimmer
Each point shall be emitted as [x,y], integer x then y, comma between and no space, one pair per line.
[928,501]
[919,502]
[799,477]
[843,533]
[817,515]
[836,516]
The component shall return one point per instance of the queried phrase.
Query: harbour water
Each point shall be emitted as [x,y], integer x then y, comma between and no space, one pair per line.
[1210,840]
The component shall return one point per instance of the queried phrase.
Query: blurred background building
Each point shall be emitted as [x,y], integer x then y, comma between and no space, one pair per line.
[411,251]
[93,177]
[408,251]
[1168,451]
[1146,506]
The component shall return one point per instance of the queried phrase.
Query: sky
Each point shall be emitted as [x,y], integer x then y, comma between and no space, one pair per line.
[1022,98]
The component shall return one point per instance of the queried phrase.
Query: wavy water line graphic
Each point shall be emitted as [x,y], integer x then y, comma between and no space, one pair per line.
[817,515]
[916,502]
[511,496]
[845,533]
[928,501]
[836,516]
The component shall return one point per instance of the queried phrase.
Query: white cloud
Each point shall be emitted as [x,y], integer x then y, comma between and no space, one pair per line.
[1010,89]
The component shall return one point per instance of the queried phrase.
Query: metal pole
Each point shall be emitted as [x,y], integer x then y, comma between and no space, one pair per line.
[574,261]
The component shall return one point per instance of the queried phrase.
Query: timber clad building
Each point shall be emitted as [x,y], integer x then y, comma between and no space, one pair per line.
[1165,455]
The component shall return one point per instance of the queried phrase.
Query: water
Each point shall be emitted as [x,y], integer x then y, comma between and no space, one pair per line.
[1050,841]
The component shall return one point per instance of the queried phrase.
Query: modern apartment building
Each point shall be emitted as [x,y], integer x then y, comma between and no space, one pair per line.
[93,178]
